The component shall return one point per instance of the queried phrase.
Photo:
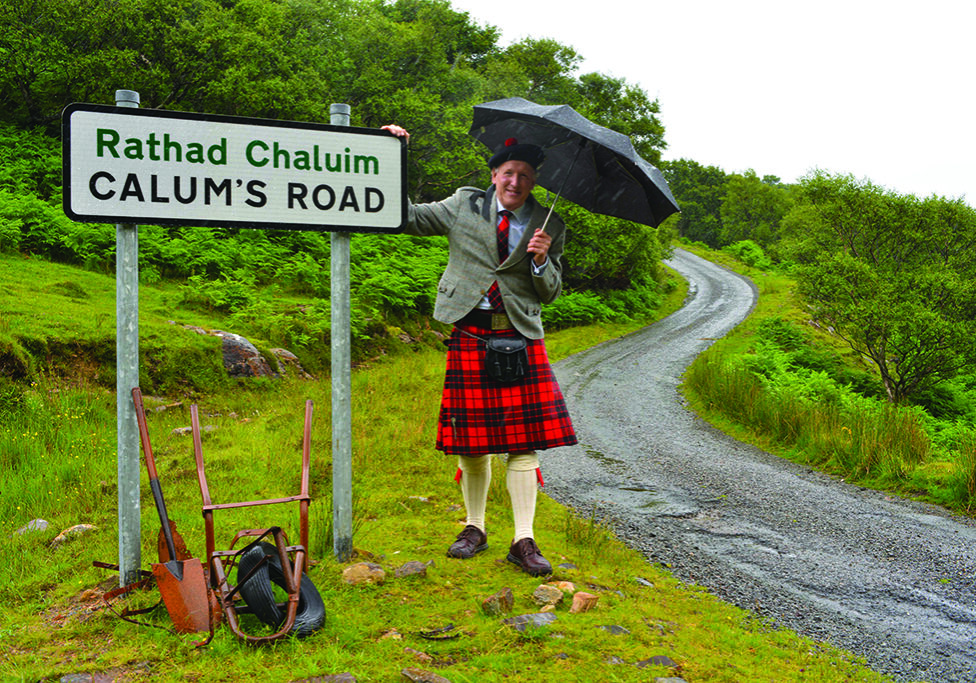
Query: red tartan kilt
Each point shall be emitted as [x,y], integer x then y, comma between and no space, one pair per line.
[480,415]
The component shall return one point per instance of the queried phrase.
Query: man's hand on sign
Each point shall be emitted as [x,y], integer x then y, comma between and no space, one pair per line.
[399,131]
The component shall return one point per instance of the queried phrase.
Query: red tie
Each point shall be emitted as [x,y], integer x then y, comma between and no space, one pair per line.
[494,296]
[503,226]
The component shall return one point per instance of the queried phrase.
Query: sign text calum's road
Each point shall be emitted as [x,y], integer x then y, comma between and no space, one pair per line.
[156,167]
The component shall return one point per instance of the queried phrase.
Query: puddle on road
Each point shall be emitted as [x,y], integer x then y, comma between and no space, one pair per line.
[652,501]
[637,497]
[644,500]
[607,463]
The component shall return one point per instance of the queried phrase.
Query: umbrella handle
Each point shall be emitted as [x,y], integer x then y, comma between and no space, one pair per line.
[552,207]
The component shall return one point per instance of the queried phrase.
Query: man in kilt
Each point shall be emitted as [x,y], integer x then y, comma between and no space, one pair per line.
[502,268]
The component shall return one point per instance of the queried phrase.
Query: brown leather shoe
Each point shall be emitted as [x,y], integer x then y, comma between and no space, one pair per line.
[470,542]
[525,553]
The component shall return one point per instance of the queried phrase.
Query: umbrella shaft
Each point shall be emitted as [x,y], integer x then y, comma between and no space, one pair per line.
[552,206]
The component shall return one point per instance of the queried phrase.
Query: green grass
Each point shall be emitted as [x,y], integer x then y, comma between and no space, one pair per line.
[60,441]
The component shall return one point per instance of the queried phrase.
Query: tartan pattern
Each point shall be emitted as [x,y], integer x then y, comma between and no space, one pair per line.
[503,226]
[495,298]
[479,416]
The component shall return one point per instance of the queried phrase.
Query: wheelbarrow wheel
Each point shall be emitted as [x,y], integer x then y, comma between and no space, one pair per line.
[259,596]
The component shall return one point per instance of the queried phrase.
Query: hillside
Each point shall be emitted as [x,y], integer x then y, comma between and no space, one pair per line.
[59,439]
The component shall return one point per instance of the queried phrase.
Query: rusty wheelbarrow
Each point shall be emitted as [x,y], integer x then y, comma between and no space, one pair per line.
[259,563]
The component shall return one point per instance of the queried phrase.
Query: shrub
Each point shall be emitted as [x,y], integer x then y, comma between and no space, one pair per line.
[576,308]
[750,254]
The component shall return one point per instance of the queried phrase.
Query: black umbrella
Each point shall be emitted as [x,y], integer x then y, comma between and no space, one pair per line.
[587,164]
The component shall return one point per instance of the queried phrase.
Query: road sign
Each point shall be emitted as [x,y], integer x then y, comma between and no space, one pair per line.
[166,167]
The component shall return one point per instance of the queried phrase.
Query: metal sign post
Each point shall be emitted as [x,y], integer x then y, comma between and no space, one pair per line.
[127,377]
[341,381]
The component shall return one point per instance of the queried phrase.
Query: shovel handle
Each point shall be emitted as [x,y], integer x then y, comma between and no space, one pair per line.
[154,486]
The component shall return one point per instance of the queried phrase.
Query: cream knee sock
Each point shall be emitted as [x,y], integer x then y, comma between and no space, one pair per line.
[475,479]
[521,481]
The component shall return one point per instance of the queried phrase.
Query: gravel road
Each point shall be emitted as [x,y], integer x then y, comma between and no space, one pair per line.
[888,579]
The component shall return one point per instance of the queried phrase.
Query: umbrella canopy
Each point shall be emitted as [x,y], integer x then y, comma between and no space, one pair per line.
[587,164]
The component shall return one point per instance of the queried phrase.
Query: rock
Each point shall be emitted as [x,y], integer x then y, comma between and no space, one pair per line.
[333,678]
[33,525]
[288,363]
[644,582]
[422,656]
[367,555]
[658,660]
[186,431]
[241,357]
[421,676]
[71,532]
[140,670]
[568,565]
[523,621]
[669,679]
[567,587]
[547,594]
[363,573]
[411,568]
[499,603]
[583,602]
[163,407]
[615,630]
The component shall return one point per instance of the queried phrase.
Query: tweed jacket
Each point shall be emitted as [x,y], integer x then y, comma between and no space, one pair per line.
[469,218]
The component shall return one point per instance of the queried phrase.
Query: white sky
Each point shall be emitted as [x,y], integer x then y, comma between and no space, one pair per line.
[881,89]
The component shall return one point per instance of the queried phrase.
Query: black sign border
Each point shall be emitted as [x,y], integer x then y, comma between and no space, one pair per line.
[218,118]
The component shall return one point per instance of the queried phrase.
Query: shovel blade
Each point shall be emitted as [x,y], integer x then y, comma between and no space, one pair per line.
[183,586]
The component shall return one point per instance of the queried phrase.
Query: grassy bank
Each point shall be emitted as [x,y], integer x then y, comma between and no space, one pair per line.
[58,448]
[798,391]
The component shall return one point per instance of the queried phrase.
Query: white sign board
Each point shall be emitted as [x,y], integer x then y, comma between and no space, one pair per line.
[161,167]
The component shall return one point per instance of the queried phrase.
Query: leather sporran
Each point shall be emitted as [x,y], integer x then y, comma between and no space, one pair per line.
[506,358]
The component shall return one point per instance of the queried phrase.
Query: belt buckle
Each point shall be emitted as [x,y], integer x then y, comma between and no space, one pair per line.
[499,321]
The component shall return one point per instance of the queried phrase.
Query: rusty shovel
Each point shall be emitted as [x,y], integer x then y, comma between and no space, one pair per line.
[182,582]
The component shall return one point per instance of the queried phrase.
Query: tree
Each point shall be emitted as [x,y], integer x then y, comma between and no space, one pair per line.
[604,253]
[246,57]
[752,209]
[426,77]
[894,276]
[53,52]
[541,70]
[625,108]
[700,191]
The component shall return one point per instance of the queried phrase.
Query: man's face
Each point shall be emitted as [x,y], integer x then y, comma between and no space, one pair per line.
[513,182]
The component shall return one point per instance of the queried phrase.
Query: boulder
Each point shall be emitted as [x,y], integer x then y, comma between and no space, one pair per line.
[583,602]
[241,357]
[71,532]
[499,603]
[363,573]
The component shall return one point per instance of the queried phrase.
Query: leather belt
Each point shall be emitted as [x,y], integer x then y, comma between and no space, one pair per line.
[487,320]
